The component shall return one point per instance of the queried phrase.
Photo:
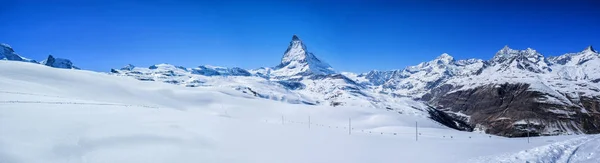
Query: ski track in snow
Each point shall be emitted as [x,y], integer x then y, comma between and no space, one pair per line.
[70,103]
[584,149]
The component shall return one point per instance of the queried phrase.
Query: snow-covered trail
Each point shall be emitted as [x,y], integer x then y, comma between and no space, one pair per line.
[578,150]
[587,153]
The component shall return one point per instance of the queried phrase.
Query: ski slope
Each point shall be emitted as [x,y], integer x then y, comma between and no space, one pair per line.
[54,115]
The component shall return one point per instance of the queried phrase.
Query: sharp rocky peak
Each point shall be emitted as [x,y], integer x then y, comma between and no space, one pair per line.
[295,37]
[296,51]
[298,60]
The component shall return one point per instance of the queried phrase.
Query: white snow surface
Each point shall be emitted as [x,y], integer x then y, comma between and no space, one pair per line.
[579,150]
[314,90]
[62,115]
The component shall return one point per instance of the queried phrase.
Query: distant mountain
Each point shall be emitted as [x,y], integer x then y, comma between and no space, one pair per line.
[58,63]
[522,88]
[415,81]
[7,53]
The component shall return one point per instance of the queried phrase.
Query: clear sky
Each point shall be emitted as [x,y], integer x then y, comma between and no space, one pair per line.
[351,35]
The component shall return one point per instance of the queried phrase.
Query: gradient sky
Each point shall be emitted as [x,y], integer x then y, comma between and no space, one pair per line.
[351,35]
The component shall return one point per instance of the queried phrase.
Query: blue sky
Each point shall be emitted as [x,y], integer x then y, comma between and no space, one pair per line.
[351,35]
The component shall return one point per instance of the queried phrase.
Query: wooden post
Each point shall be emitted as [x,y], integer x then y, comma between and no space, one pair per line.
[528,128]
[349,126]
[416,132]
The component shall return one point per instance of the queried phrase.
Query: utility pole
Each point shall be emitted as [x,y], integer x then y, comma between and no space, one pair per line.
[309,122]
[349,126]
[282,119]
[528,128]
[416,132]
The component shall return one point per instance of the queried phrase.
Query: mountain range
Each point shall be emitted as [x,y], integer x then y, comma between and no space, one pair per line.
[515,93]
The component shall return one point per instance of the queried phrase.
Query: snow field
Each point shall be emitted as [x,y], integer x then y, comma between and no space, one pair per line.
[53,115]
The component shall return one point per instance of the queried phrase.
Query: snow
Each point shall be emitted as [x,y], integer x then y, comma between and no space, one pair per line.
[580,150]
[570,77]
[62,115]
[293,81]
[416,80]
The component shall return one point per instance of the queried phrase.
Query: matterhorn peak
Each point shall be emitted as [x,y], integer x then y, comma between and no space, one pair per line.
[295,37]
[295,51]
[298,60]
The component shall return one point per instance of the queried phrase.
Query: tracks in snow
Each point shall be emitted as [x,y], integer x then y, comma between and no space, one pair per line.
[61,102]
[70,103]
[569,151]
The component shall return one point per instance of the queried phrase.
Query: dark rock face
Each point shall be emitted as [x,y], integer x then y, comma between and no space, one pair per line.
[447,120]
[58,63]
[512,109]
[292,85]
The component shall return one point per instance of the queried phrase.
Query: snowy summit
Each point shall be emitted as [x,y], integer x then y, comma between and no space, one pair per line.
[298,61]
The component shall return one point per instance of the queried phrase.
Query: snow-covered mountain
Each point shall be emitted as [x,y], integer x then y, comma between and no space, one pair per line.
[58,63]
[49,115]
[297,61]
[495,96]
[522,88]
[300,78]
[503,95]
[415,81]
[8,53]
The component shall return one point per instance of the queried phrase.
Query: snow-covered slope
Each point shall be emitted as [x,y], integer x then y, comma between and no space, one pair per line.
[415,81]
[562,88]
[300,78]
[580,150]
[331,90]
[61,115]
[559,93]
